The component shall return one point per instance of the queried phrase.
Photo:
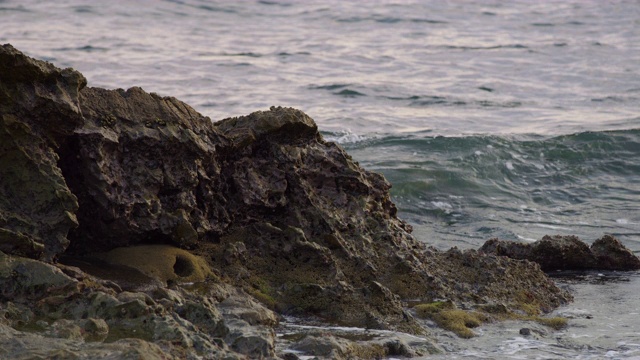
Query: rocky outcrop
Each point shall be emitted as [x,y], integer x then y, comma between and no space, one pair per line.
[567,253]
[184,224]
[39,108]
[129,190]
[612,255]
[52,311]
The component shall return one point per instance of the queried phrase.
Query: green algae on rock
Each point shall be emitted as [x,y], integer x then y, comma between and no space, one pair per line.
[165,263]
[461,322]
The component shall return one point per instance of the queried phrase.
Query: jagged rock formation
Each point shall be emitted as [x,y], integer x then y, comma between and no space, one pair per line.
[58,311]
[39,108]
[567,253]
[276,211]
[145,169]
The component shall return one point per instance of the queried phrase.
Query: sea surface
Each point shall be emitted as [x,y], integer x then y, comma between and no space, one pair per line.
[509,119]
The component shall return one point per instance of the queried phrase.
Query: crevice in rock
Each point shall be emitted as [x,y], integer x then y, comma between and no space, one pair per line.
[183,267]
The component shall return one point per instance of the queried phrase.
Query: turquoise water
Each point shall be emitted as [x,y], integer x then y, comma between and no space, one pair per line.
[510,119]
[464,190]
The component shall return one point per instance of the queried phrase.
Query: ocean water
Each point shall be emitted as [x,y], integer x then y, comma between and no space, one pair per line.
[509,119]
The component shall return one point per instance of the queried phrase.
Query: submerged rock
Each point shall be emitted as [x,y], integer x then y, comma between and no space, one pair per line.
[567,253]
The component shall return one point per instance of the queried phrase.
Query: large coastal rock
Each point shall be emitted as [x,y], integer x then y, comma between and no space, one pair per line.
[178,226]
[39,108]
[567,253]
[145,170]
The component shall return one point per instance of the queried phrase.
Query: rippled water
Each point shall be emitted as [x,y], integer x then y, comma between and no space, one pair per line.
[464,190]
[510,119]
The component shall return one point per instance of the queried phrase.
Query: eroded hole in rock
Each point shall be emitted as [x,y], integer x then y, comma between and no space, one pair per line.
[183,267]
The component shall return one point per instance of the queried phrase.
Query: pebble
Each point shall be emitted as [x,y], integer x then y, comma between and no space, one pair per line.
[525,331]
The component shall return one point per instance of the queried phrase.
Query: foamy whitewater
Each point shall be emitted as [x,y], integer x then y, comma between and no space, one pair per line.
[509,119]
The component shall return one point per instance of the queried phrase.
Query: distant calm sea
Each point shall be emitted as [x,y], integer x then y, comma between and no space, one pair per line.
[509,119]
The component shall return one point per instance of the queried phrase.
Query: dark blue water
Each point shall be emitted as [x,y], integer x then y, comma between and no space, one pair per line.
[510,119]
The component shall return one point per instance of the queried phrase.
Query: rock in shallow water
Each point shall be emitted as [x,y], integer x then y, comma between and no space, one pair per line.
[612,255]
[567,253]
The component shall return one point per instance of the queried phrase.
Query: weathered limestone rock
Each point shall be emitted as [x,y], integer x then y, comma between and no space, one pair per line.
[612,255]
[22,277]
[249,326]
[145,170]
[324,346]
[567,253]
[38,109]
[274,209]
[47,313]
[16,344]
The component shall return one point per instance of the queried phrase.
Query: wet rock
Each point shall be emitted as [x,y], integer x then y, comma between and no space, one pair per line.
[612,255]
[567,253]
[525,331]
[290,356]
[249,326]
[329,347]
[398,347]
[473,277]
[88,318]
[551,252]
[305,338]
[326,346]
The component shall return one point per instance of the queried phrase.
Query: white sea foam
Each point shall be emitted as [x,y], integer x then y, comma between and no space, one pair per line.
[553,227]
[509,165]
[443,206]
[345,137]
[525,238]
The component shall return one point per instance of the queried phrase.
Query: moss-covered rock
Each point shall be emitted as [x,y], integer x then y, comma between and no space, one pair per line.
[165,263]
[461,321]
[449,317]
